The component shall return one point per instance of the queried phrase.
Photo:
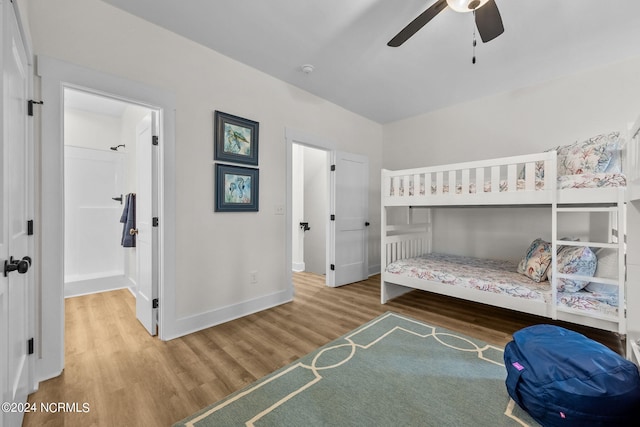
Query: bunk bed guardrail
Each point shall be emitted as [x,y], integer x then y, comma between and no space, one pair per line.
[526,179]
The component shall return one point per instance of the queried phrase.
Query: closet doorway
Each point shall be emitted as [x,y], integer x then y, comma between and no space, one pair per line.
[344,215]
[106,163]
[310,208]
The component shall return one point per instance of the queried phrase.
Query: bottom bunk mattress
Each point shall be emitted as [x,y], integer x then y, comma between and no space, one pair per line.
[499,277]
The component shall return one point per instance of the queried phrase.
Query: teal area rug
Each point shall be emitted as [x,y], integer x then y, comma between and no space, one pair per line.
[392,371]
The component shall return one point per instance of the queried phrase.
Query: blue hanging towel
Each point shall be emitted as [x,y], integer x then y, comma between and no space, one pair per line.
[128,218]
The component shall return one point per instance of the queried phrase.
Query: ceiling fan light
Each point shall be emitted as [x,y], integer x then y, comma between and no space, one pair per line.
[465,5]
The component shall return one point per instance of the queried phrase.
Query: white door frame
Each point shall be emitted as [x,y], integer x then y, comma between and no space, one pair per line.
[293,136]
[55,76]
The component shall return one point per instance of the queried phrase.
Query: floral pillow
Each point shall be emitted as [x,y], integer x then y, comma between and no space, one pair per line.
[592,155]
[535,263]
[578,260]
[615,145]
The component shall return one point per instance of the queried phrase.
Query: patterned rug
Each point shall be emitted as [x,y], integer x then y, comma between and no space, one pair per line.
[391,371]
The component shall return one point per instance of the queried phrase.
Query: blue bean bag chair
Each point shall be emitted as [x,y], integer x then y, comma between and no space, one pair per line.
[562,378]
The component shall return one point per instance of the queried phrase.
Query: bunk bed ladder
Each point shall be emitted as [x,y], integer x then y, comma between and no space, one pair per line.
[616,237]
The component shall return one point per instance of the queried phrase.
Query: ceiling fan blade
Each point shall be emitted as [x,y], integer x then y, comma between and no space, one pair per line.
[418,23]
[488,21]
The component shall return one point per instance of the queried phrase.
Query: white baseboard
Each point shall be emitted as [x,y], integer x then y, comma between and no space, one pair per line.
[374,269]
[297,266]
[93,286]
[198,322]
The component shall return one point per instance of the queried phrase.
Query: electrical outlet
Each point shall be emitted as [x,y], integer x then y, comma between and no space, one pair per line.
[253,277]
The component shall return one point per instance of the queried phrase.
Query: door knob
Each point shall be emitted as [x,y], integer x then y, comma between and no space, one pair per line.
[21,265]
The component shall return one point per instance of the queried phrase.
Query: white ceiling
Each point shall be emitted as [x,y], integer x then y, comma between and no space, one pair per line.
[346,42]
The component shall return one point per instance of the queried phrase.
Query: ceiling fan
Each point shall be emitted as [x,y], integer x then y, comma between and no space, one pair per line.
[486,13]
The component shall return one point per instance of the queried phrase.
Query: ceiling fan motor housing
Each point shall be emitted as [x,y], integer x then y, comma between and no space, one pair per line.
[465,5]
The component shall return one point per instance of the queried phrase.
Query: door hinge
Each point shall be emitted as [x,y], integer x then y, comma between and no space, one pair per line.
[154,303]
[332,217]
[30,227]
[333,168]
[333,267]
[154,140]
[154,221]
[30,106]
[30,346]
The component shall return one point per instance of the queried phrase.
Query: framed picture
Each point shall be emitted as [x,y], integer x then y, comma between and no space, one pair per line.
[236,189]
[235,139]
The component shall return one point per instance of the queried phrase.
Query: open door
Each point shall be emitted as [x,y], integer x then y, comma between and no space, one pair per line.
[146,223]
[15,193]
[348,233]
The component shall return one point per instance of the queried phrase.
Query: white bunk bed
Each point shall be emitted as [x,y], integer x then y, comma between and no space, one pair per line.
[521,181]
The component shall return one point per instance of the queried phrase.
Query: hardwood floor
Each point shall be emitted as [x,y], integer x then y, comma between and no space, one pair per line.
[128,378]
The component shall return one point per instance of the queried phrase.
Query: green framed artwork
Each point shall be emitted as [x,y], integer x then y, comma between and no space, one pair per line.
[235,139]
[236,188]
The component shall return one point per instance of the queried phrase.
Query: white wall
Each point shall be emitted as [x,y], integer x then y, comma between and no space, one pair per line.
[525,121]
[215,251]
[91,130]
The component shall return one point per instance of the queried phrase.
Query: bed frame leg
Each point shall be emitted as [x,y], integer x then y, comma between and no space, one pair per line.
[391,290]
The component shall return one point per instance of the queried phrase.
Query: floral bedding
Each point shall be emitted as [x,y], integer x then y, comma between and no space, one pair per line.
[592,180]
[499,277]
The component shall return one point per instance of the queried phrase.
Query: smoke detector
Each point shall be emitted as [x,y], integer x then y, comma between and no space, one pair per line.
[307,68]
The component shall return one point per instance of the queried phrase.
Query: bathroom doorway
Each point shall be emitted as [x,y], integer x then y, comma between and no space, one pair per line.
[100,172]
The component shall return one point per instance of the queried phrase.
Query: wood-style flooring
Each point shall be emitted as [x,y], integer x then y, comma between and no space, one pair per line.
[128,378]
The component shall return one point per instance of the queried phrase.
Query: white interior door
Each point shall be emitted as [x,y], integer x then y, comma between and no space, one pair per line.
[14,244]
[146,209]
[348,231]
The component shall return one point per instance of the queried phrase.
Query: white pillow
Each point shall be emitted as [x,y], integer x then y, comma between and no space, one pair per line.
[607,263]
[607,269]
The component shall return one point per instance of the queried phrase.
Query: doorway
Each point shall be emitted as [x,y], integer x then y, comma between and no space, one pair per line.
[55,76]
[345,217]
[100,172]
[310,209]
[110,199]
